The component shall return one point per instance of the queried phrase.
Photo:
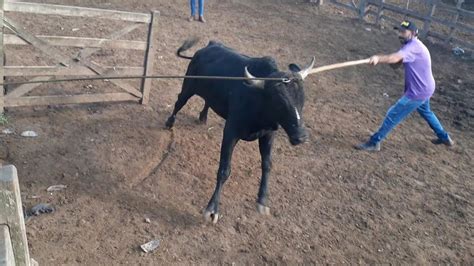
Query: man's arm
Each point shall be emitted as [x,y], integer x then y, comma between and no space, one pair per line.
[394,58]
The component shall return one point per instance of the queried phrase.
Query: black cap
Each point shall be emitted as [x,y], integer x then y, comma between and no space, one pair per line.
[407,25]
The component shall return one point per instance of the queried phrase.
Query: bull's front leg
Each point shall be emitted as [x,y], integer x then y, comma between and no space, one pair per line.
[228,143]
[265,146]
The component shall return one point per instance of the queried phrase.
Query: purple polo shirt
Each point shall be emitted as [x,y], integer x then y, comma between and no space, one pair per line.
[419,81]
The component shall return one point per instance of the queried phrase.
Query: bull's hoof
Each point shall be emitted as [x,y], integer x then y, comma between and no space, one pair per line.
[211,217]
[169,123]
[262,209]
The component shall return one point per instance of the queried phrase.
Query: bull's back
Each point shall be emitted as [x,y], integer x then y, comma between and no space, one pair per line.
[218,60]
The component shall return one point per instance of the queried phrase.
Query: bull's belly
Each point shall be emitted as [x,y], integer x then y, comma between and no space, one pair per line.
[216,101]
[256,135]
[219,110]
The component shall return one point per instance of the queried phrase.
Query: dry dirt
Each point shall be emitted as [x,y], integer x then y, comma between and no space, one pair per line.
[412,203]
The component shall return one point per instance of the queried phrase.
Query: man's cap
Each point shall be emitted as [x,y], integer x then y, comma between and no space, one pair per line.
[407,25]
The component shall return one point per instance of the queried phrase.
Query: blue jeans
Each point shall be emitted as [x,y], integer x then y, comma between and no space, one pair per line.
[193,7]
[398,112]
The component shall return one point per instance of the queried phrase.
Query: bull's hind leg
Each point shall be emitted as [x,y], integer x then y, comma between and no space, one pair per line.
[183,98]
[265,146]
[203,114]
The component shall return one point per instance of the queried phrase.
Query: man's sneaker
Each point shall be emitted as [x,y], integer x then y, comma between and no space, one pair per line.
[368,146]
[201,18]
[448,142]
[191,18]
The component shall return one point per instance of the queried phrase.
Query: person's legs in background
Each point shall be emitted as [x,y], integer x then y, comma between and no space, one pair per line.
[201,11]
[192,4]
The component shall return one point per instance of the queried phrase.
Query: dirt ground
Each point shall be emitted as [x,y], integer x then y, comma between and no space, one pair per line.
[412,203]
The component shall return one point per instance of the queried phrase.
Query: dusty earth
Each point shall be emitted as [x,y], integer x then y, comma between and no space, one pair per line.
[412,203]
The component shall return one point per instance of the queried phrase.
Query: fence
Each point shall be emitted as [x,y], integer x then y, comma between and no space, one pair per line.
[438,19]
[79,64]
[13,243]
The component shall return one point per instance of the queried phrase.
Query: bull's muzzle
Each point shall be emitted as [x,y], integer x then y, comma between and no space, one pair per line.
[300,137]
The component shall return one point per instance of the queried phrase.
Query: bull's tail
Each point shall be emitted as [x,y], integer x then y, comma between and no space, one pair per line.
[186,45]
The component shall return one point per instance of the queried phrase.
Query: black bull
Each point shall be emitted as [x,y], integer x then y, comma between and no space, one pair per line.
[253,110]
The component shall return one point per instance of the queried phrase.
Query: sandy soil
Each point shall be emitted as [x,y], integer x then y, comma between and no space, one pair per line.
[412,203]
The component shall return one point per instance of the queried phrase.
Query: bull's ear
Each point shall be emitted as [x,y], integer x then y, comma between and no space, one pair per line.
[294,68]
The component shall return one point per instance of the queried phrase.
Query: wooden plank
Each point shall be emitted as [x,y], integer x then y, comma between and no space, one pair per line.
[362,7]
[69,99]
[399,10]
[75,11]
[458,26]
[12,213]
[430,33]
[393,21]
[379,11]
[407,7]
[452,29]
[22,71]
[85,53]
[6,248]
[150,56]
[335,2]
[443,37]
[25,88]
[11,39]
[418,16]
[461,11]
[99,70]
[2,57]
[57,54]
[40,44]
[427,20]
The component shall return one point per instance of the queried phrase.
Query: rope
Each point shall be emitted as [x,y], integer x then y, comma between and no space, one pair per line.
[142,77]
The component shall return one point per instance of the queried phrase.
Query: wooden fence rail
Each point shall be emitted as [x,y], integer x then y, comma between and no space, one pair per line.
[78,64]
[429,20]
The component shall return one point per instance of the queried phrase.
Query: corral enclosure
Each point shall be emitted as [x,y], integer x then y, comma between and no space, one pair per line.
[410,203]
[449,21]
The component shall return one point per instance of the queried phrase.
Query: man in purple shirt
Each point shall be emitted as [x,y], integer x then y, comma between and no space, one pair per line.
[419,87]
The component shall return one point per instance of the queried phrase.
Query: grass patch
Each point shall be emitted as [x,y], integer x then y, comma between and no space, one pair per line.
[3,119]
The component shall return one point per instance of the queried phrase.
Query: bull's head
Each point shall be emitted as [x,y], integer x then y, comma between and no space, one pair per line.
[285,99]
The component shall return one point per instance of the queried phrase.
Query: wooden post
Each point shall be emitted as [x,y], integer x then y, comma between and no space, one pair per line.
[6,249]
[407,9]
[11,214]
[427,21]
[150,56]
[362,7]
[455,21]
[2,59]
[380,11]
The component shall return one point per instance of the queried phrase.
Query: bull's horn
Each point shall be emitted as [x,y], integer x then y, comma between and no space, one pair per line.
[254,83]
[304,72]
